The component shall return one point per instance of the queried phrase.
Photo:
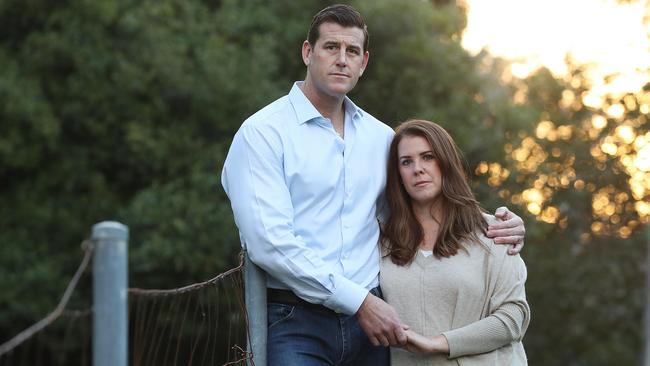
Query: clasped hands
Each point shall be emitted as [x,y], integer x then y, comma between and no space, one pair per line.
[383,327]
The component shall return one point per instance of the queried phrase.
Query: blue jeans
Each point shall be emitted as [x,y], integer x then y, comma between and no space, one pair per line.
[304,336]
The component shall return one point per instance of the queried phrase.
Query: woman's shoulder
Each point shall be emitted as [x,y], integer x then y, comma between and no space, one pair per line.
[502,262]
[487,246]
[489,218]
[499,250]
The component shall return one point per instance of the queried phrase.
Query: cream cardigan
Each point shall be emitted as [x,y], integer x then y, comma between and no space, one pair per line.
[476,299]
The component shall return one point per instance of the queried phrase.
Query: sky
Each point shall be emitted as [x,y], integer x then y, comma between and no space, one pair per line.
[608,35]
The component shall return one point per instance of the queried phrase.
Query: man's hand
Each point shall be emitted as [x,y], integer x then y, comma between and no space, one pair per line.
[509,231]
[417,343]
[381,323]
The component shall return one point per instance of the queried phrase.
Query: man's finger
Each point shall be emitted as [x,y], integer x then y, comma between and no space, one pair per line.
[502,213]
[509,223]
[515,249]
[389,337]
[518,231]
[384,341]
[401,336]
[514,240]
[374,341]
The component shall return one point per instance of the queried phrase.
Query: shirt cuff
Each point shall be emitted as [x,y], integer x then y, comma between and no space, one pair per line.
[347,297]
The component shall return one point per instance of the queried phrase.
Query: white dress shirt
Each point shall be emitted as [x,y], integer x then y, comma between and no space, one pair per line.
[306,201]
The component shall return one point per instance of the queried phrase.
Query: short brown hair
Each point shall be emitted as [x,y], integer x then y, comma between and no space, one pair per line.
[462,217]
[341,14]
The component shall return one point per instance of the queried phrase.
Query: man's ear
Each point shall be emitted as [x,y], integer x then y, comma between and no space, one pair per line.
[366,56]
[306,52]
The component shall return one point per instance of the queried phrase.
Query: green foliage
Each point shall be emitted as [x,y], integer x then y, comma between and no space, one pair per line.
[587,300]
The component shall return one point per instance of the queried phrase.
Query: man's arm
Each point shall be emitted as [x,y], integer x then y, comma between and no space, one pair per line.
[508,230]
[253,178]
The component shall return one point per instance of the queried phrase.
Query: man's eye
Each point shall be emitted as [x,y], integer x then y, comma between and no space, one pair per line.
[354,52]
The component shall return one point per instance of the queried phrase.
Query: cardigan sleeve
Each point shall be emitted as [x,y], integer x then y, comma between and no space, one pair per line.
[509,313]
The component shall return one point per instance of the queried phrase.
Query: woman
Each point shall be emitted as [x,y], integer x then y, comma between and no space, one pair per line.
[462,296]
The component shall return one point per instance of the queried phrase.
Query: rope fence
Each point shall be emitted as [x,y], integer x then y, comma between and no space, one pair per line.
[28,333]
[184,325]
[189,288]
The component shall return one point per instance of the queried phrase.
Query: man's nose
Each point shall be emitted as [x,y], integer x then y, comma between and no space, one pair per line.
[342,59]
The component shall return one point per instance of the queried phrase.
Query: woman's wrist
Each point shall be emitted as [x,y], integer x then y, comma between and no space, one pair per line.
[419,343]
[440,344]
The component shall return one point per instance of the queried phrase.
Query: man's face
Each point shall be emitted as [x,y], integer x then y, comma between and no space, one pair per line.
[336,61]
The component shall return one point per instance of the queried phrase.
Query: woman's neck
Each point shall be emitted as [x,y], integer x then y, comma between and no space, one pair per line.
[429,218]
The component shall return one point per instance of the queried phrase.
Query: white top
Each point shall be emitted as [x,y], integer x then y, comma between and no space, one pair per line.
[305,200]
[426,253]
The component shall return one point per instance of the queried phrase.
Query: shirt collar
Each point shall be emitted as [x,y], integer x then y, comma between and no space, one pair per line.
[305,111]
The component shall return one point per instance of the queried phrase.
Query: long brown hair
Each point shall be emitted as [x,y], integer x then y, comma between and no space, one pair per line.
[461,214]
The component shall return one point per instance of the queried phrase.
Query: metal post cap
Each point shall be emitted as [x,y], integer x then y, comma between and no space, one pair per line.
[110,230]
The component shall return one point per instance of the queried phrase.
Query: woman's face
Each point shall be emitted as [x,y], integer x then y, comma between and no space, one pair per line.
[419,170]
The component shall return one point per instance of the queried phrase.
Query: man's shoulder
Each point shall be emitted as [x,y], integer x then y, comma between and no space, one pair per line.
[375,124]
[269,114]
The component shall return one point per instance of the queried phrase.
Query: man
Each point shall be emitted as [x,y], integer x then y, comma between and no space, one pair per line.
[304,176]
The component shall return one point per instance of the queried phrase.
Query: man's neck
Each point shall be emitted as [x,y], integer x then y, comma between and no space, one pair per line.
[327,105]
[330,107]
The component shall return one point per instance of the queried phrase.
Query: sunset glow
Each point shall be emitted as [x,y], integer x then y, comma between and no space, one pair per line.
[610,36]
[611,40]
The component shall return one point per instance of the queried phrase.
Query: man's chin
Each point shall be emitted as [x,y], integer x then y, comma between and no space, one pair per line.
[342,88]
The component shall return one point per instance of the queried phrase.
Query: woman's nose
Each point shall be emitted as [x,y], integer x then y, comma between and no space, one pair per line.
[418,167]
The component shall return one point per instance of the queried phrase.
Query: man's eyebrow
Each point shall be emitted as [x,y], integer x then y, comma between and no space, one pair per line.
[336,43]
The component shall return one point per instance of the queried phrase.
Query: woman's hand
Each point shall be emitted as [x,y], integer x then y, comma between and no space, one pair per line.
[417,343]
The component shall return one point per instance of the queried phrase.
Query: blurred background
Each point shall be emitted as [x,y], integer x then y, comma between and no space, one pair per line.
[124,110]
